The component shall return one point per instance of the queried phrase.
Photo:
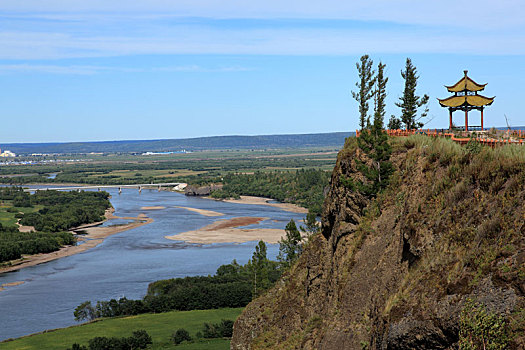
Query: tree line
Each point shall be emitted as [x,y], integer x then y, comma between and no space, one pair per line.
[304,187]
[64,210]
[60,211]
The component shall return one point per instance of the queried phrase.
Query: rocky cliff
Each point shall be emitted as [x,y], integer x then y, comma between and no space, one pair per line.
[401,271]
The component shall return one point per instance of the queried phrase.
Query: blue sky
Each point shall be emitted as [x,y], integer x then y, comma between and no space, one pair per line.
[112,70]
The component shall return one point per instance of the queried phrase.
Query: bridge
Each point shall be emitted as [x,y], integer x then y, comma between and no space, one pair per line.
[101,187]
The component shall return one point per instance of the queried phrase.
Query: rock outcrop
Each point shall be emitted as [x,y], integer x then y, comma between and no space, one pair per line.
[396,272]
[191,190]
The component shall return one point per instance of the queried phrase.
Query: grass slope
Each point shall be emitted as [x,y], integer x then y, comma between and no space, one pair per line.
[159,326]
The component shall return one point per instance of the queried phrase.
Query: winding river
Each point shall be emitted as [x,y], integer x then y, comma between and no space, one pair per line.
[125,263]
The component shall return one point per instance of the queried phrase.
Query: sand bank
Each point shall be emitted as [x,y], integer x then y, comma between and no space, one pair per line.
[202,211]
[294,208]
[155,207]
[225,231]
[10,284]
[93,237]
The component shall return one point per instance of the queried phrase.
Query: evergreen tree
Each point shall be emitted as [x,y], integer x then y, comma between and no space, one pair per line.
[394,123]
[290,246]
[365,89]
[374,142]
[410,102]
[311,226]
[259,267]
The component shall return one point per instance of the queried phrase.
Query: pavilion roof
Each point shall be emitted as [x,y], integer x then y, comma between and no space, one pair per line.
[467,100]
[465,83]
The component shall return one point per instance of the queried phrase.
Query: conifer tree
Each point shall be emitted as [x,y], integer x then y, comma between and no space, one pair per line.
[375,143]
[409,101]
[290,246]
[259,269]
[365,87]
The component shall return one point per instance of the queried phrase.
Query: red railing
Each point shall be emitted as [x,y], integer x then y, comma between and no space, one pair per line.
[488,141]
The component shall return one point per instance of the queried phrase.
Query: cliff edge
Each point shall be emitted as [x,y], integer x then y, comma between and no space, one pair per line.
[411,268]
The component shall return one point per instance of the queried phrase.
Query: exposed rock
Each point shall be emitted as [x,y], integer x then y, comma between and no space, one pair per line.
[191,190]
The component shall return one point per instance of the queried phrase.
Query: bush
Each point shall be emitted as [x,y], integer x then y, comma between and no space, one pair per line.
[139,340]
[224,329]
[481,329]
[181,335]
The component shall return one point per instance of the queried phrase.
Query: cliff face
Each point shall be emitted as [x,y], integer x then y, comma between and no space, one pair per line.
[396,272]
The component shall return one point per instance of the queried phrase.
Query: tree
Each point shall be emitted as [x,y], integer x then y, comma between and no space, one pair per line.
[365,89]
[394,123]
[84,311]
[259,268]
[290,247]
[180,335]
[374,143]
[311,226]
[410,102]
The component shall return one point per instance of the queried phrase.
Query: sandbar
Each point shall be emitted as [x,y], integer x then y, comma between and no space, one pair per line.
[93,237]
[226,231]
[10,284]
[294,208]
[202,211]
[155,207]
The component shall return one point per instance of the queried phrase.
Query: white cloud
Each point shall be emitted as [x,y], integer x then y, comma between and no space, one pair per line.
[90,70]
[284,41]
[81,29]
[456,13]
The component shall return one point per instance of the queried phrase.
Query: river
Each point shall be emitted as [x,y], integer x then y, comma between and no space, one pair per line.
[125,263]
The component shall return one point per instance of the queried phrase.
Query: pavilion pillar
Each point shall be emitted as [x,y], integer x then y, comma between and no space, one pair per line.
[481,118]
[466,119]
[450,118]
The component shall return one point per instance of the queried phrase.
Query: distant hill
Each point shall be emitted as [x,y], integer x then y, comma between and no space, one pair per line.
[335,139]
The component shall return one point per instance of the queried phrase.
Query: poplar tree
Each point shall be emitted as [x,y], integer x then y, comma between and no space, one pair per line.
[365,90]
[409,102]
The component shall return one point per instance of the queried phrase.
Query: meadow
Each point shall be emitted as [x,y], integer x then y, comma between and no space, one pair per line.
[159,326]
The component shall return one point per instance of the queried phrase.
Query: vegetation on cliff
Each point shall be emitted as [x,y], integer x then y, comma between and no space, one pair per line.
[398,270]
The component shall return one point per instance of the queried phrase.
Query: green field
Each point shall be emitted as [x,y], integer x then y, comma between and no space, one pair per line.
[159,326]
[8,218]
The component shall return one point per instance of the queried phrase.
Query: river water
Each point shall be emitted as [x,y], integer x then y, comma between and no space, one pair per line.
[125,263]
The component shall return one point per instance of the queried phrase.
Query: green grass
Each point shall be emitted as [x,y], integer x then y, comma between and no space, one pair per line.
[7,218]
[159,326]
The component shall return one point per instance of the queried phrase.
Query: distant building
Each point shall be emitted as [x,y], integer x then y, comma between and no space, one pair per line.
[6,154]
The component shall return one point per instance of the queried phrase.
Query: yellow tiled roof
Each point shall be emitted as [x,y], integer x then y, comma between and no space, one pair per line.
[469,100]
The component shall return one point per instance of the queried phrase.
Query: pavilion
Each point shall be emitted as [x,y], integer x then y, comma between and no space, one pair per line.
[466,98]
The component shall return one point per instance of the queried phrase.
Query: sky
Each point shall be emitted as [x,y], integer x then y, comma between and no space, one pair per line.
[126,70]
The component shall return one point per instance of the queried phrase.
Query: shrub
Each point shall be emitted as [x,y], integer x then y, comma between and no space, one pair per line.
[481,329]
[181,335]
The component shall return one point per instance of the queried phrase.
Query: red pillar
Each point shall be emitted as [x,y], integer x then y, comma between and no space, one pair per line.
[466,119]
[482,118]
[450,118]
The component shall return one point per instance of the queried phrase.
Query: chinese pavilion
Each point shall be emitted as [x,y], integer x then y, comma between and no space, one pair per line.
[466,98]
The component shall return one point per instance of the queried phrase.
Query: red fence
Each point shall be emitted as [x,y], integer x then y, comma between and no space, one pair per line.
[519,136]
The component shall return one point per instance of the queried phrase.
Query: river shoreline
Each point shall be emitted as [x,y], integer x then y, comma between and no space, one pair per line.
[94,236]
[225,233]
[252,200]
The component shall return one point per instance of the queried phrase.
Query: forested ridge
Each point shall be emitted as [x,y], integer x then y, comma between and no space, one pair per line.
[59,211]
[198,143]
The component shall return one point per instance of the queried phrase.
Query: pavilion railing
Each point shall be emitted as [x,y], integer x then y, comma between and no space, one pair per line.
[518,135]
